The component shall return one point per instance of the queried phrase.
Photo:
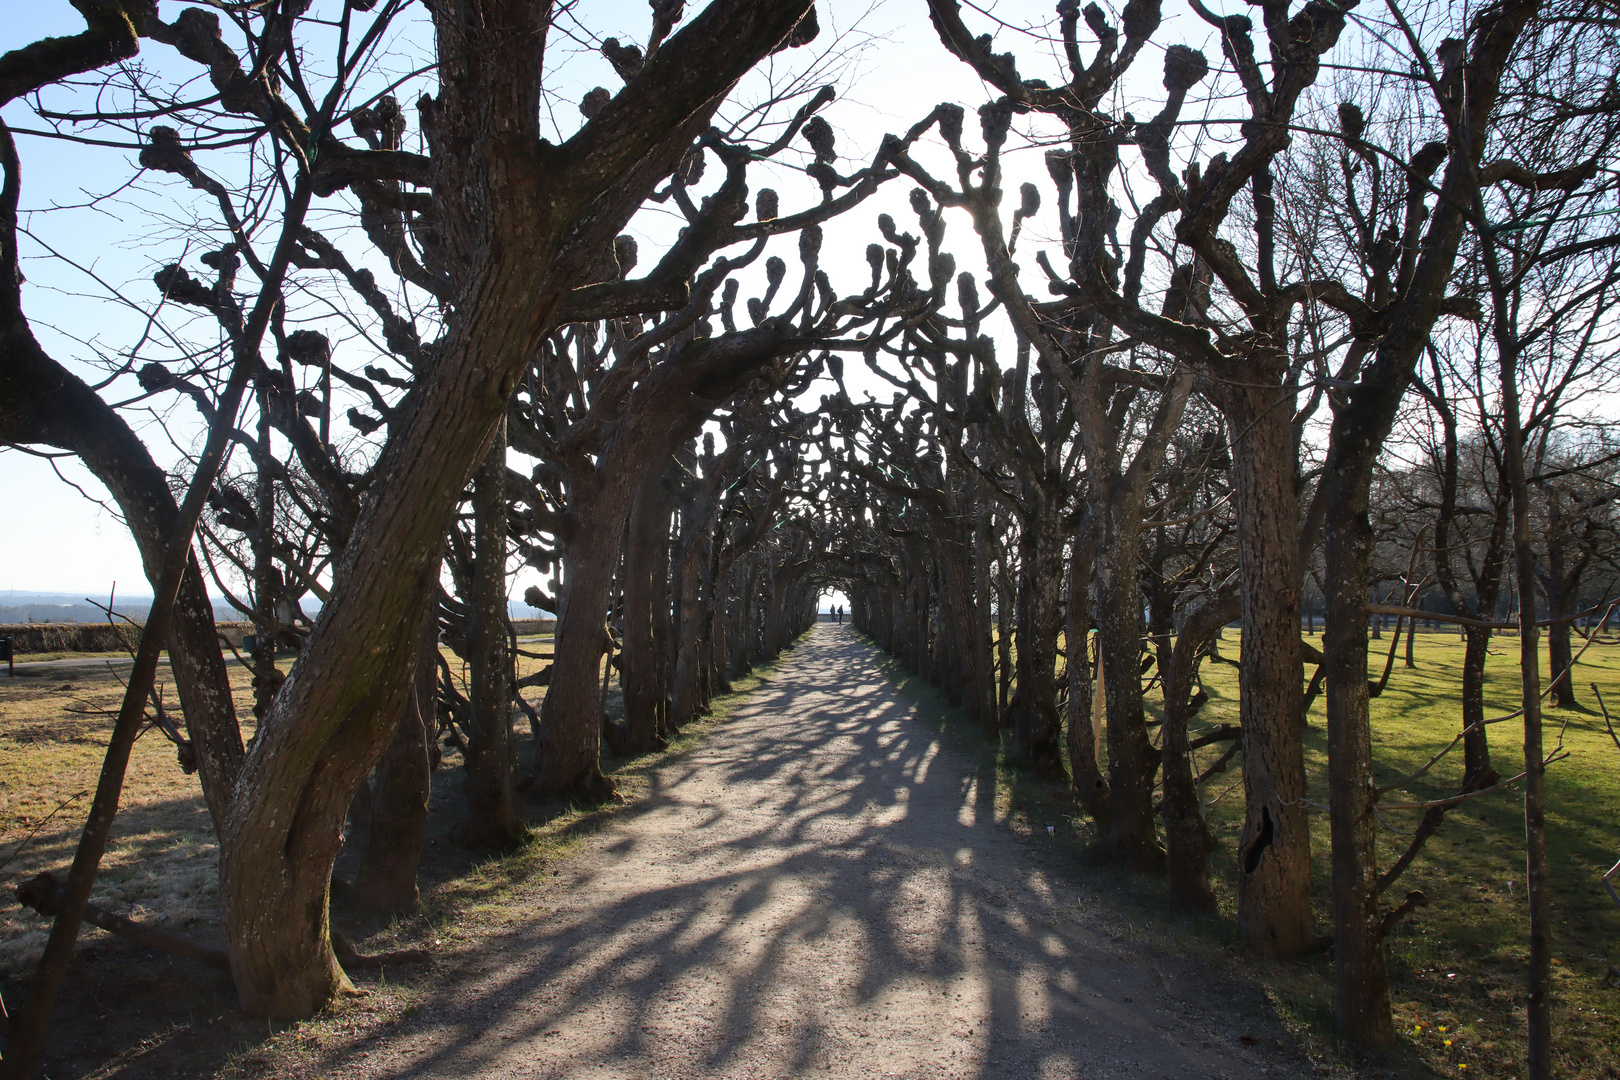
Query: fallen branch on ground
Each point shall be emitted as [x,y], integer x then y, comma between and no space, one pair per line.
[1392,917]
[1220,763]
[44,894]
[1219,734]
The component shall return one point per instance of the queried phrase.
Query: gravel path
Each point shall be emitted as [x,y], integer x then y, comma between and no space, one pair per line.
[818,889]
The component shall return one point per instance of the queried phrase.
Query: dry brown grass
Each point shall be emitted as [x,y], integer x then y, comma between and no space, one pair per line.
[162,864]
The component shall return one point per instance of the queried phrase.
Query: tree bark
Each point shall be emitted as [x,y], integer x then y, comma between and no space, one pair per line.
[493,820]
[386,879]
[648,524]
[571,714]
[1132,839]
[1561,587]
[1361,976]
[267,677]
[1274,852]
[1033,712]
[1089,786]
[692,626]
[1477,768]
[982,635]
[1187,839]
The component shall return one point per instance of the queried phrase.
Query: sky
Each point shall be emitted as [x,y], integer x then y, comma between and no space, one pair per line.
[60,535]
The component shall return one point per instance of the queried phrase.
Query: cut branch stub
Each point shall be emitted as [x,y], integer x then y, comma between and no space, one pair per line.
[1184,68]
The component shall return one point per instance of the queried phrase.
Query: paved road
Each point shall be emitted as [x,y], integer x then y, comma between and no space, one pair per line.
[818,889]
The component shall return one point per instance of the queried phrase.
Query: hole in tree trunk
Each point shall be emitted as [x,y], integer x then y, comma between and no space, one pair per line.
[1262,841]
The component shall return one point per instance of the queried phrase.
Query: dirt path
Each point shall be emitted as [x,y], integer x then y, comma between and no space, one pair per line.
[818,889]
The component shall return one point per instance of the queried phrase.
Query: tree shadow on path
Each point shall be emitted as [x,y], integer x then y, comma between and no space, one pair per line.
[818,888]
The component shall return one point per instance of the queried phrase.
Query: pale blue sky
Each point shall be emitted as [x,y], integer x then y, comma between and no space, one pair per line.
[58,540]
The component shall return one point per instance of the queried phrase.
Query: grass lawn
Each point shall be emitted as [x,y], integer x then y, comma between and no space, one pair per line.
[126,1007]
[162,865]
[1457,966]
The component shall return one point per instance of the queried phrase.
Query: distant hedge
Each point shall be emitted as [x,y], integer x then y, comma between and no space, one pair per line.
[90,637]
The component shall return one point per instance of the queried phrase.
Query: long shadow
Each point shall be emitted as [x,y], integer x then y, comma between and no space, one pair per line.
[817,888]
[124,1007]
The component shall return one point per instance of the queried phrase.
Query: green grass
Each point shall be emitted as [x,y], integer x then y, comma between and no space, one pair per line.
[1459,963]
[1457,966]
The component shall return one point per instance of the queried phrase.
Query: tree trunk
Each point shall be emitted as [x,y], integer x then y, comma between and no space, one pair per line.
[663,629]
[691,628]
[1089,786]
[1033,711]
[1538,1000]
[1477,768]
[1006,606]
[773,614]
[571,714]
[1361,976]
[1561,589]
[492,815]
[340,707]
[1132,839]
[983,572]
[715,643]
[1187,839]
[386,879]
[266,623]
[1274,853]
[645,544]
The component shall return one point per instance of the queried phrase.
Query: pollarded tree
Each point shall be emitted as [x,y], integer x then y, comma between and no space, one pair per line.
[1007,430]
[1121,417]
[920,458]
[1238,343]
[610,409]
[518,226]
